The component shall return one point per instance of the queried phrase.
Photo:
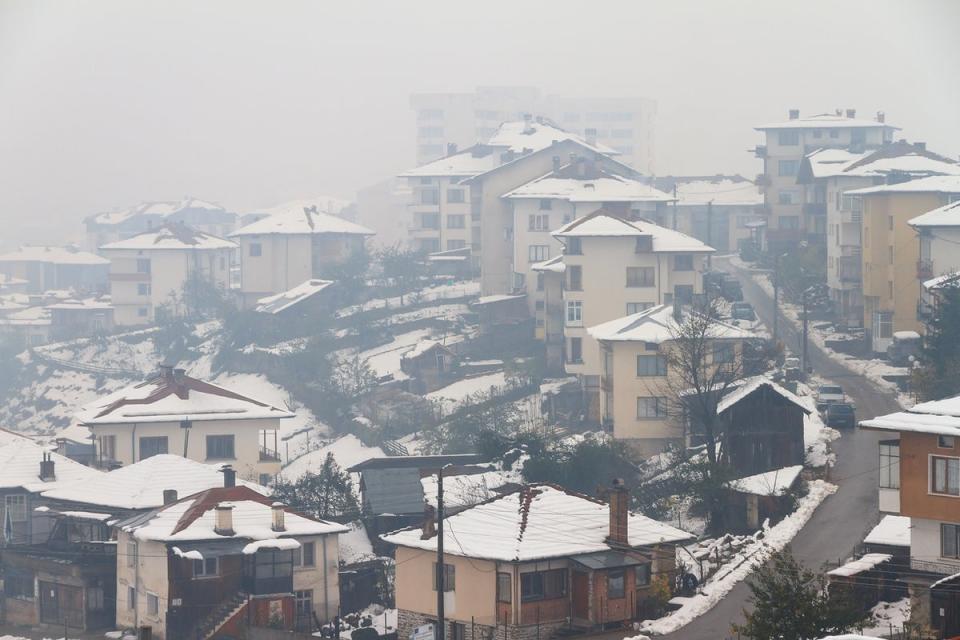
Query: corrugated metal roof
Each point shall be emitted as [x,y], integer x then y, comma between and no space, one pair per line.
[393,491]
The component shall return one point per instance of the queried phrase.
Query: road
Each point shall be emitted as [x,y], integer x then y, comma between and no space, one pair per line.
[845,517]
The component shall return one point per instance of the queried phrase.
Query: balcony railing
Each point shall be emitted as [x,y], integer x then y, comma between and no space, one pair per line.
[924,269]
[849,269]
[269,455]
[815,208]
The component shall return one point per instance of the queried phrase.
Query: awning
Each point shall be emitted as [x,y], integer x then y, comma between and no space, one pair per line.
[609,560]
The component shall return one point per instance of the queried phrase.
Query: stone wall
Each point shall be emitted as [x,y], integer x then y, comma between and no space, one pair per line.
[407,621]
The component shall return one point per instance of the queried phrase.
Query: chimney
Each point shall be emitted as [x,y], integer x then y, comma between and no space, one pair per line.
[851,113]
[166,371]
[881,116]
[277,509]
[169,496]
[47,471]
[527,127]
[223,525]
[591,136]
[794,114]
[556,163]
[920,146]
[619,513]
[451,148]
[429,522]
[229,476]
[181,389]
[677,309]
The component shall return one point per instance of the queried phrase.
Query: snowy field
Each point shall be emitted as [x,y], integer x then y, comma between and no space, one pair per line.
[347,450]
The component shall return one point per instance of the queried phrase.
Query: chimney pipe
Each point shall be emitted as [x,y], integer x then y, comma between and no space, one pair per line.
[166,371]
[920,146]
[619,513]
[169,496]
[851,113]
[223,525]
[278,524]
[47,470]
[881,116]
[429,527]
[229,476]
[794,114]
[451,148]
[591,136]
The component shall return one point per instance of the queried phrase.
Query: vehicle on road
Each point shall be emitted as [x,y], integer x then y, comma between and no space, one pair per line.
[830,393]
[742,311]
[840,415]
[906,345]
[730,288]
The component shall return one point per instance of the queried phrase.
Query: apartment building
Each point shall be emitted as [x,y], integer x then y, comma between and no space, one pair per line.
[635,377]
[890,259]
[938,233]
[464,119]
[112,226]
[46,268]
[920,479]
[722,211]
[150,272]
[573,188]
[829,174]
[794,212]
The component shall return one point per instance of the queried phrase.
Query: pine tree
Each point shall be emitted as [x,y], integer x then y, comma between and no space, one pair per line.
[327,494]
[938,375]
[792,603]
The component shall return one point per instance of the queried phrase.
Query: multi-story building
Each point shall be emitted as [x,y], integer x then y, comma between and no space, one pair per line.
[384,208]
[720,210]
[636,379]
[45,268]
[890,259]
[920,479]
[464,119]
[104,228]
[793,213]
[828,174]
[150,272]
[939,236]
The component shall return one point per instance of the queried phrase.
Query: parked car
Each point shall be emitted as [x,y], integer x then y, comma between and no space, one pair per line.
[830,393]
[713,281]
[730,289]
[840,415]
[905,345]
[742,311]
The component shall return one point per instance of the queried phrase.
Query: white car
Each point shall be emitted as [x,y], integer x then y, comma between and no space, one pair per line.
[828,393]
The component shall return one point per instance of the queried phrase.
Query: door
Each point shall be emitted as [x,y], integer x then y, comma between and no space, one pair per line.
[49,603]
[581,595]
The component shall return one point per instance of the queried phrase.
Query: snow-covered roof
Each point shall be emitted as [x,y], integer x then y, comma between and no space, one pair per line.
[463,490]
[657,325]
[88,304]
[553,265]
[603,224]
[825,121]
[891,530]
[913,163]
[421,348]
[605,186]
[163,209]
[496,299]
[769,483]
[54,255]
[535,522]
[9,281]
[303,221]
[534,135]
[29,317]
[171,237]
[749,385]
[141,485]
[947,279]
[172,397]
[286,299]
[932,184]
[868,562]
[20,468]
[469,162]
[825,163]
[938,417]
[945,216]
[718,191]
[194,518]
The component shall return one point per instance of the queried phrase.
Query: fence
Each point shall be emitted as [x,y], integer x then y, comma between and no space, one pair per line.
[85,367]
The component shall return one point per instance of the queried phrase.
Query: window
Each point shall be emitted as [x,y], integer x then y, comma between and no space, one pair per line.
[142,312]
[16,507]
[205,568]
[683,263]
[19,586]
[788,138]
[890,464]
[256,250]
[637,307]
[153,604]
[305,556]
[538,252]
[574,247]
[890,255]
[641,575]
[546,204]
[131,598]
[789,222]
[429,196]
[834,133]
[108,447]
[94,599]
[504,591]
[723,353]
[538,222]
[641,276]
[143,289]
[574,313]
[818,133]
[540,282]
[576,351]
[131,554]
[651,366]
[456,221]
[304,603]
[220,448]
[651,407]
[265,479]
[786,197]
[946,442]
[787,168]
[273,564]
[950,541]
[945,476]
[543,585]
[143,265]
[152,446]
[575,278]
[430,220]
[456,244]
[883,324]
[449,577]
[616,585]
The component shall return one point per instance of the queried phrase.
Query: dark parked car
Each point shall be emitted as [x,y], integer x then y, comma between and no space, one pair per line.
[840,415]
[730,289]
[742,311]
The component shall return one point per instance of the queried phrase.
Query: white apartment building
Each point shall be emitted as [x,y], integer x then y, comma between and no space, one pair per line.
[938,232]
[795,213]
[464,119]
[149,271]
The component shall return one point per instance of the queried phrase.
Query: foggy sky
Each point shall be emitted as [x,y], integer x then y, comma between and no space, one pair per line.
[104,104]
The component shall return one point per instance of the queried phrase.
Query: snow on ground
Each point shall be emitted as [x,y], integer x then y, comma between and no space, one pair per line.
[355,545]
[749,558]
[347,450]
[461,392]
[455,290]
[887,617]
[463,490]
[451,312]
[132,351]
[381,619]
[385,359]
[817,437]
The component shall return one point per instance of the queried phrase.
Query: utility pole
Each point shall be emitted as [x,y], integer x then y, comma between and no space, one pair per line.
[776,306]
[439,632]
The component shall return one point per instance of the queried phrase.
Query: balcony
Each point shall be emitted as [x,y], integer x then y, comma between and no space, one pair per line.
[269,455]
[760,151]
[815,208]
[849,269]
[924,269]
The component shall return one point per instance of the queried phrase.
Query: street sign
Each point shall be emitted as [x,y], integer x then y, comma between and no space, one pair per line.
[423,632]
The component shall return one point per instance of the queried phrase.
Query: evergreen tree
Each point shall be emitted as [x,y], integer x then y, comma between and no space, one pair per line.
[326,494]
[792,603]
[938,373]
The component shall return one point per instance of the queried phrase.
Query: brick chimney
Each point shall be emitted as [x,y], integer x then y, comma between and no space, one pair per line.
[229,476]
[47,467]
[429,522]
[278,524]
[183,391]
[169,496]
[851,113]
[619,513]
[794,114]
[881,117]
[223,525]
[451,148]
[920,146]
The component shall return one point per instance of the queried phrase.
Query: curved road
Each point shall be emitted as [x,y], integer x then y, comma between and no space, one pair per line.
[845,517]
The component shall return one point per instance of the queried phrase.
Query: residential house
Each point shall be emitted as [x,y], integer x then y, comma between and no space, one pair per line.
[81,317]
[151,273]
[615,267]
[920,479]
[291,246]
[891,292]
[721,211]
[430,365]
[939,234]
[305,300]
[827,175]
[761,497]
[47,267]
[785,146]
[29,326]
[113,226]
[637,387]
[174,413]
[222,560]
[533,562]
